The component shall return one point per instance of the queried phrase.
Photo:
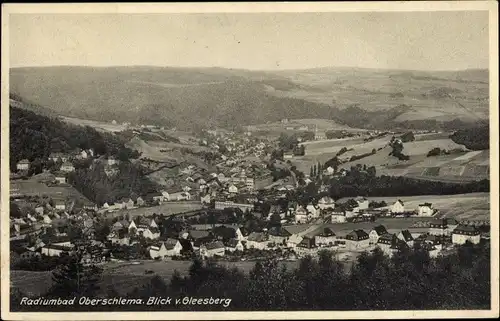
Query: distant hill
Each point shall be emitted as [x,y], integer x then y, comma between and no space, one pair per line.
[189,98]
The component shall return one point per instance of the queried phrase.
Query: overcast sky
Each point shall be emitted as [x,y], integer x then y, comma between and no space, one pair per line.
[406,40]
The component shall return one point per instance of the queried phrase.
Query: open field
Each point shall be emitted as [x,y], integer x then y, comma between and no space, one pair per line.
[461,166]
[474,206]
[32,187]
[123,276]
[98,125]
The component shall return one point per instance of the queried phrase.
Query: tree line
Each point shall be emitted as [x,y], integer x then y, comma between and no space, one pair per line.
[409,280]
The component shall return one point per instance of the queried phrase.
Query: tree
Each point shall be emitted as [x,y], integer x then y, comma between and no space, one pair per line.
[73,278]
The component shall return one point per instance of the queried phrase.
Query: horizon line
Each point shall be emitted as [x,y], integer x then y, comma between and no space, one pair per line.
[250,70]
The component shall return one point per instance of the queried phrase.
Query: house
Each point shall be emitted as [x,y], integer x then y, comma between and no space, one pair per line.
[326,237]
[337,215]
[443,226]
[278,235]
[306,247]
[84,154]
[23,165]
[406,237]
[362,203]
[119,236]
[67,167]
[357,240]
[329,171]
[139,201]
[60,178]
[234,245]
[398,207]
[158,251]
[127,203]
[390,244]
[157,197]
[376,233]
[462,234]
[232,189]
[56,249]
[257,240]
[111,161]
[326,202]
[220,205]
[312,210]
[60,205]
[425,209]
[179,196]
[173,247]
[211,249]
[205,199]
[47,219]
[301,215]
[55,157]
[288,155]
[166,195]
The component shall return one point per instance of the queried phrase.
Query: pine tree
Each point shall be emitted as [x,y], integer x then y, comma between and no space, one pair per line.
[311,172]
[73,278]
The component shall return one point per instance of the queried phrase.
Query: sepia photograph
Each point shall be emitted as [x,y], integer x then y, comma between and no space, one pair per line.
[217,161]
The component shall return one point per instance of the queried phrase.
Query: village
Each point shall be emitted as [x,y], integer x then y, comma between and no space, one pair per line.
[228,216]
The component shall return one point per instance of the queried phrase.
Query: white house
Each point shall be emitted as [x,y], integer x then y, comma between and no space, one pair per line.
[232,189]
[313,210]
[56,249]
[67,167]
[205,199]
[326,238]
[406,237]
[166,195]
[301,215]
[362,203]
[376,233]
[60,205]
[216,248]
[462,233]
[23,165]
[173,247]
[357,240]
[257,240]
[425,209]
[398,207]
[326,202]
[234,245]
[158,250]
[329,171]
[111,161]
[338,215]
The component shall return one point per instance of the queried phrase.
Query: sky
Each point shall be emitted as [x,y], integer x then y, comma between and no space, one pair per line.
[259,41]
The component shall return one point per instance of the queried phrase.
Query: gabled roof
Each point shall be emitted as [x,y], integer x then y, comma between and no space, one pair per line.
[407,235]
[380,230]
[327,232]
[214,245]
[426,204]
[232,243]
[358,234]
[257,237]
[465,228]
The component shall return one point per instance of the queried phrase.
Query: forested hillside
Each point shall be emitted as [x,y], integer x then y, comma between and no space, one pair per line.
[34,137]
